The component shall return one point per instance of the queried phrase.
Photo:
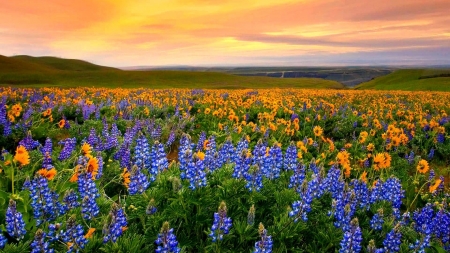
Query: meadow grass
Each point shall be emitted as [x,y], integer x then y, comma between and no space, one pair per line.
[410,79]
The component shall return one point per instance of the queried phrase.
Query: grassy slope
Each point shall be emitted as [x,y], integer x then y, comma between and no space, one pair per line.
[12,65]
[409,79]
[26,71]
[177,79]
[63,64]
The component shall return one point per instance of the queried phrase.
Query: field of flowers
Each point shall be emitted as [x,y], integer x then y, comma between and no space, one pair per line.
[121,170]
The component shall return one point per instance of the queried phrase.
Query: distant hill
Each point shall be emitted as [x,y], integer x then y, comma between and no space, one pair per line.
[411,79]
[62,64]
[28,71]
[8,65]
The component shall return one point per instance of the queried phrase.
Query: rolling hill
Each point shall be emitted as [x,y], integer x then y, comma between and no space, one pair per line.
[27,71]
[411,79]
[62,64]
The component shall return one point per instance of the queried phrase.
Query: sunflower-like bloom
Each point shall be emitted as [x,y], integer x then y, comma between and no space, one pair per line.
[318,131]
[22,156]
[422,166]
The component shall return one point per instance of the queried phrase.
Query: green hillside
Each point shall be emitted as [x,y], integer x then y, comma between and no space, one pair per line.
[411,79]
[26,71]
[8,65]
[63,64]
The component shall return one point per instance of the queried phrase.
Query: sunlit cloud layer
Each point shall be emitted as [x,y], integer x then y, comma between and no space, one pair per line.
[229,32]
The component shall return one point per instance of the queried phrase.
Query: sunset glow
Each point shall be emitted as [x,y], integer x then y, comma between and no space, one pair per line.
[230,32]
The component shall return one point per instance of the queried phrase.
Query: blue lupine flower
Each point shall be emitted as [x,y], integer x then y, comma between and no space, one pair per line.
[290,158]
[254,178]
[93,139]
[410,158]
[211,155]
[44,202]
[221,224]
[28,142]
[142,154]
[377,220]
[89,193]
[265,244]
[138,181]
[39,244]
[195,172]
[440,138]
[159,159]
[392,241]
[275,163]
[15,226]
[431,154]
[69,147]
[47,153]
[201,140]
[100,165]
[3,240]
[296,180]
[113,229]
[156,133]
[171,138]
[71,199]
[151,208]
[7,129]
[242,164]
[166,240]
[227,153]
[351,243]
[73,236]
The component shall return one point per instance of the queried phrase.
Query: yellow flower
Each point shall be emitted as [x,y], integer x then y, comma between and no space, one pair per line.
[317,131]
[364,177]
[436,184]
[22,155]
[201,155]
[49,174]
[86,149]
[92,166]
[89,233]
[61,123]
[422,166]
[126,177]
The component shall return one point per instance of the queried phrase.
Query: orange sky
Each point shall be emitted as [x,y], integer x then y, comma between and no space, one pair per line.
[229,32]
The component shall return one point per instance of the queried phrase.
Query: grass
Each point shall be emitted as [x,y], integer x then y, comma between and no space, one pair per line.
[410,79]
[161,80]
[27,71]
[62,64]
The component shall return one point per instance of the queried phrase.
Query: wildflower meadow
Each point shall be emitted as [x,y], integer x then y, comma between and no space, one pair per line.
[193,170]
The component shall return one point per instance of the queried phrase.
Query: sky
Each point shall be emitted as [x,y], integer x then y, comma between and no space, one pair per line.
[123,33]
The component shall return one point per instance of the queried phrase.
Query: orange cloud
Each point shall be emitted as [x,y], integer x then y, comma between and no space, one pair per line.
[196,32]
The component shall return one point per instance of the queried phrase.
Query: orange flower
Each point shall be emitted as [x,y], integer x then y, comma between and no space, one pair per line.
[370,147]
[61,123]
[364,177]
[126,177]
[201,155]
[86,149]
[436,184]
[422,166]
[22,155]
[318,131]
[205,144]
[124,228]
[92,166]
[89,233]
[74,177]
[49,174]
[207,111]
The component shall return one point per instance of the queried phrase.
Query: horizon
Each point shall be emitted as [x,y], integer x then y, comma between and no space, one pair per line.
[202,33]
